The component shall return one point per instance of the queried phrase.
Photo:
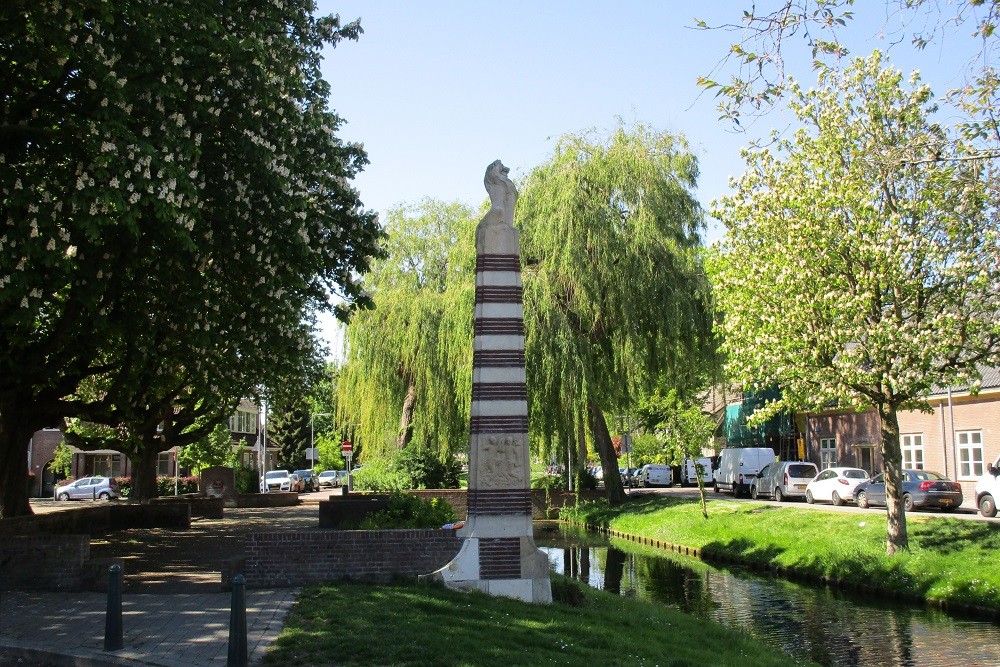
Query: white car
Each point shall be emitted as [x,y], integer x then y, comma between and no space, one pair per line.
[835,485]
[276,480]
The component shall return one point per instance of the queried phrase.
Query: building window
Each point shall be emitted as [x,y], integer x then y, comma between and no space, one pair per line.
[104,465]
[970,454]
[165,464]
[827,452]
[913,451]
[243,422]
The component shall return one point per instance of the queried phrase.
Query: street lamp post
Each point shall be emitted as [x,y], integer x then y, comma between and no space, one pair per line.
[312,439]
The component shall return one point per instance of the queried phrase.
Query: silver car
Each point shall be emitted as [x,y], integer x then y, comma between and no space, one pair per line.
[88,488]
[783,479]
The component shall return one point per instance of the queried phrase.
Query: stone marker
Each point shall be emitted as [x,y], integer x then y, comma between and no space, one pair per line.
[498,554]
[219,482]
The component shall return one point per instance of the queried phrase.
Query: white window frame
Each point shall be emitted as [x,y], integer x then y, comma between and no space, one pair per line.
[912,445]
[969,450]
[827,452]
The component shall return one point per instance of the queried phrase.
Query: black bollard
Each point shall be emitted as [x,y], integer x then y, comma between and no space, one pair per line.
[238,625]
[113,632]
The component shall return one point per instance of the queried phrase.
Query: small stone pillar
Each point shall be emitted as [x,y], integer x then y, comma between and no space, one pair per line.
[498,554]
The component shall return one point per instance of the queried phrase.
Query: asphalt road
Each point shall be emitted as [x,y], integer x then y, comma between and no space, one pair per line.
[965,513]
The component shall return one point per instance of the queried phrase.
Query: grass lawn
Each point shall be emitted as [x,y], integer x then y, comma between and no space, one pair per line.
[949,559]
[411,624]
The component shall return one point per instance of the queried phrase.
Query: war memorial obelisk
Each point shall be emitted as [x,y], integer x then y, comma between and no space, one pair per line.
[498,554]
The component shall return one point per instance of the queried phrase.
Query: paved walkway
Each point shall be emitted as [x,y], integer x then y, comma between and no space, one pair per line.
[178,630]
[173,612]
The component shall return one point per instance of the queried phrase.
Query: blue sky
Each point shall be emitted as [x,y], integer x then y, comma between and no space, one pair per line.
[437,90]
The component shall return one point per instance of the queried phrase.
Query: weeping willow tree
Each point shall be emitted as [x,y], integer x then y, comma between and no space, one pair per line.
[408,371]
[615,298]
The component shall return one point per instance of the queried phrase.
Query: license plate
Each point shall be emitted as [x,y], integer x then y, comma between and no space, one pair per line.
[800,486]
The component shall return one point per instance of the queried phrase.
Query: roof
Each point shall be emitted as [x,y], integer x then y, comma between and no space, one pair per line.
[990,380]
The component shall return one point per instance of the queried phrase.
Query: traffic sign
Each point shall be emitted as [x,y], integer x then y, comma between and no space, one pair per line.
[346,447]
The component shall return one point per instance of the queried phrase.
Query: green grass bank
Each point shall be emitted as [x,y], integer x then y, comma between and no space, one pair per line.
[951,561]
[411,624]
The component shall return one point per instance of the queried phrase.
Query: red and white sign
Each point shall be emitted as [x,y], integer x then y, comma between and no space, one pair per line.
[346,447]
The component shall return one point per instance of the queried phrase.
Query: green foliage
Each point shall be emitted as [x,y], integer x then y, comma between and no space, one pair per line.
[62,460]
[419,337]
[330,454]
[411,468]
[427,470]
[615,297]
[381,476]
[406,511]
[289,430]
[247,479]
[164,486]
[759,58]
[176,206]
[681,427]
[215,449]
[886,283]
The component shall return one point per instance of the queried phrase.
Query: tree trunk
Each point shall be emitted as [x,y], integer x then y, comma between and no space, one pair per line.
[406,420]
[144,474]
[606,450]
[15,433]
[892,459]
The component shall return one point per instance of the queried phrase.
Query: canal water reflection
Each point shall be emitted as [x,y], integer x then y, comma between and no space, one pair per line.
[814,623]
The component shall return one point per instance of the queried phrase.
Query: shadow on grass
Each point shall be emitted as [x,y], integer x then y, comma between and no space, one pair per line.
[954,535]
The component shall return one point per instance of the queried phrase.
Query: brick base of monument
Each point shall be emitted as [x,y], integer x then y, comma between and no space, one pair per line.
[498,557]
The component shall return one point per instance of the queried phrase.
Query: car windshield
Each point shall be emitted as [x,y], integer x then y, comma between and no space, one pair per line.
[274,474]
[855,474]
[926,474]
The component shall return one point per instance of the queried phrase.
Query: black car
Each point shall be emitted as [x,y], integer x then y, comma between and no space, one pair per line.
[921,488]
[312,484]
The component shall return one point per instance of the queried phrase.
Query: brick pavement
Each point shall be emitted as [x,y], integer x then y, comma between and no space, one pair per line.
[173,613]
[179,630]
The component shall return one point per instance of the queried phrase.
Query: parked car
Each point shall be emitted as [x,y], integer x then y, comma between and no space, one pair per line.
[276,480]
[329,478]
[298,484]
[921,488]
[738,466]
[988,489]
[310,483]
[835,485]
[783,479]
[655,475]
[88,488]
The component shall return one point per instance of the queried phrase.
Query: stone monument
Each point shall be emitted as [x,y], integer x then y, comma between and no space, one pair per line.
[498,554]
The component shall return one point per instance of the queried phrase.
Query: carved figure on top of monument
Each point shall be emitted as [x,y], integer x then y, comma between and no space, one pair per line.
[503,195]
[500,218]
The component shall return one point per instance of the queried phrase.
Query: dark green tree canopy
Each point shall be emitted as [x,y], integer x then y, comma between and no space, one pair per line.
[173,195]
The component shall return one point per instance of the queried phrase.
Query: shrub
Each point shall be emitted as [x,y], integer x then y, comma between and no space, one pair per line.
[164,485]
[406,511]
[247,479]
[381,476]
[426,470]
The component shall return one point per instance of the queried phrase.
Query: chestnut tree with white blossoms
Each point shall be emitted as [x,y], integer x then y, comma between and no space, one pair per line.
[174,205]
[861,263]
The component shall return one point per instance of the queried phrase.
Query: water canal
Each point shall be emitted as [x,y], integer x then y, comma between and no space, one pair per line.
[809,622]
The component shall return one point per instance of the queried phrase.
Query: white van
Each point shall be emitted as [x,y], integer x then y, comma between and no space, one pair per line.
[738,467]
[689,472]
[654,475]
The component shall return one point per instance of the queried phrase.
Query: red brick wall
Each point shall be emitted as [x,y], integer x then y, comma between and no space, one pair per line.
[542,506]
[315,556]
[43,562]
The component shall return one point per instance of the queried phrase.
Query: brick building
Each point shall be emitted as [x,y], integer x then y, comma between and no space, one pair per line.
[958,438]
[244,426]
